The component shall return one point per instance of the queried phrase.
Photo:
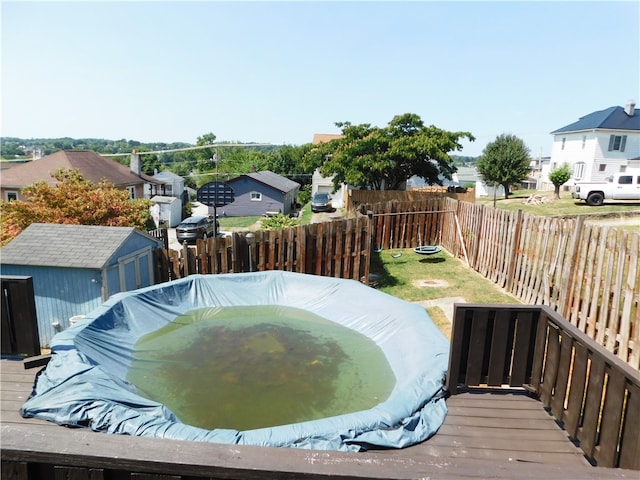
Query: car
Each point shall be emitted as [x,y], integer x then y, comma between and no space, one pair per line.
[321,202]
[195,227]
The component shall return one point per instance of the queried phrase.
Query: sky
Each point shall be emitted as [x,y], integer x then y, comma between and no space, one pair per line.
[280,72]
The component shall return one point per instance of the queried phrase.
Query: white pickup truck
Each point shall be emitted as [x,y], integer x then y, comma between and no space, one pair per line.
[621,186]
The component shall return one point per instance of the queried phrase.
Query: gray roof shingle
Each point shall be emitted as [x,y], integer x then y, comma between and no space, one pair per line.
[273,180]
[58,245]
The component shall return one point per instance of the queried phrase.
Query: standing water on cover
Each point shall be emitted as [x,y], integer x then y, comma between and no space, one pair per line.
[249,367]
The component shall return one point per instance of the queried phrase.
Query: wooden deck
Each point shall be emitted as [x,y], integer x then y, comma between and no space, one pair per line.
[487,434]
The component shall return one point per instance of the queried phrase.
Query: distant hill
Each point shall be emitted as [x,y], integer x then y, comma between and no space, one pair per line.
[17,148]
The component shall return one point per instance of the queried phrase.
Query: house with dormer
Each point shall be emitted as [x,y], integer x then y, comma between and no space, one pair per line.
[91,165]
[596,146]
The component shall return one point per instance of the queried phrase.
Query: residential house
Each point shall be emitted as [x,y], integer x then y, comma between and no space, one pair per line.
[168,184]
[77,267]
[596,146]
[91,165]
[261,193]
[321,184]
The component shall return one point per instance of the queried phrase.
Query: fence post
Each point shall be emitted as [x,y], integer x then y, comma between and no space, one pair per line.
[569,273]
[511,270]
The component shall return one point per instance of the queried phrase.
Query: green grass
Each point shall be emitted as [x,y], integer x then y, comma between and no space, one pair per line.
[405,277]
[237,222]
[564,206]
[305,218]
[400,277]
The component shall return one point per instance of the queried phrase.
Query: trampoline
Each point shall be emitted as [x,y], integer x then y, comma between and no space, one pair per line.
[87,382]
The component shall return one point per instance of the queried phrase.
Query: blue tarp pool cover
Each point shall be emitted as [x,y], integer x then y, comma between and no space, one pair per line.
[84,384]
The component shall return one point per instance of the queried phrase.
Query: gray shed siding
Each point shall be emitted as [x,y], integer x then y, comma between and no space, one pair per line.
[242,206]
[60,293]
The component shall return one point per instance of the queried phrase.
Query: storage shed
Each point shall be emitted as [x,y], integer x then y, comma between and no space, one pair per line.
[166,210]
[77,267]
[261,193]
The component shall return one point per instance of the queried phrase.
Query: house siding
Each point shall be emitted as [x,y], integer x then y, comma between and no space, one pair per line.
[272,200]
[595,153]
[61,293]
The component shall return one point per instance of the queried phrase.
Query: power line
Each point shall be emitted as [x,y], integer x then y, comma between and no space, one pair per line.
[197,147]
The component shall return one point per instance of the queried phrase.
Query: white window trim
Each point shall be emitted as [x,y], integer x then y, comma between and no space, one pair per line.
[11,193]
[257,198]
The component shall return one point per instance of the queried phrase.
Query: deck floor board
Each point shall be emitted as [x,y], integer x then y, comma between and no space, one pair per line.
[498,435]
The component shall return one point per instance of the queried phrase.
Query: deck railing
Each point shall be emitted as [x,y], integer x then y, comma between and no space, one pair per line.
[591,393]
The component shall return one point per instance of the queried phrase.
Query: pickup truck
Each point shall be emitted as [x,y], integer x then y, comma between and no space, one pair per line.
[621,186]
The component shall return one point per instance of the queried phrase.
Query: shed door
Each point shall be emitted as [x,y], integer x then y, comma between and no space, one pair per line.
[129,274]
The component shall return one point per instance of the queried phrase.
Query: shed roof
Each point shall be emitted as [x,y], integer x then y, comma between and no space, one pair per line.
[612,118]
[60,245]
[272,180]
[93,166]
[164,199]
[166,176]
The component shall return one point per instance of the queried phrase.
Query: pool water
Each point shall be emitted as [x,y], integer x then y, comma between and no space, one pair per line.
[248,367]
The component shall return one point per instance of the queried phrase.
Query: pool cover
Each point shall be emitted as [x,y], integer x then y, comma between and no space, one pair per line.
[84,384]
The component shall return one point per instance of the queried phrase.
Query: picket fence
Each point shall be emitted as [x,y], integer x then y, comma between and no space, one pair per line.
[339,249]
[586,272]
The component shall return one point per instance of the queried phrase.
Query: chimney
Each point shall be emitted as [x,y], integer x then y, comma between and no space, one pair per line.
[253,169]
[630,108]
[134,165]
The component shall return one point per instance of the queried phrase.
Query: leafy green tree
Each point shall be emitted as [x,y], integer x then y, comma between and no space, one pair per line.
[384,158]
[559,176]
[73,200]
[505,162]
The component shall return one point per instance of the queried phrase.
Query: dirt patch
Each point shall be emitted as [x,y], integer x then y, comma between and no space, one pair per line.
[431,282]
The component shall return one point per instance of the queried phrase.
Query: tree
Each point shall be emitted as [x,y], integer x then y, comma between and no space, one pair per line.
[505,162]
[384,158]
[73,200]
[558,177]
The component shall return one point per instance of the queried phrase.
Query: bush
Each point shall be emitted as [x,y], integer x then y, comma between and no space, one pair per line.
[278,222]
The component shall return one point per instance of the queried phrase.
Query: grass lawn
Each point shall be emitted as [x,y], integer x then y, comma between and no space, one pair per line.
[237,222]
[554,207]
[413,277]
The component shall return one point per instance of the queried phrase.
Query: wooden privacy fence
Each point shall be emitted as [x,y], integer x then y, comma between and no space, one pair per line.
[588,273]
[367,197]
[339,249]
[593,395]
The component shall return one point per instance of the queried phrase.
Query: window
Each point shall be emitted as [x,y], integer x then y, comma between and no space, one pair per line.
[623,168]
[617,142]
[625,179]
[578,171]
[256,197]
[584,141]
[564,139]
[602,167]
[12,196]
[132,191]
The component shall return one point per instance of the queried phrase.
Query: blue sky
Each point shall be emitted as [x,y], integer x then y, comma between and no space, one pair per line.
[279,72]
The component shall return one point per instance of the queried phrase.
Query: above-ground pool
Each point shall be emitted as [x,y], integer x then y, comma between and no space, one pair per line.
[269,358]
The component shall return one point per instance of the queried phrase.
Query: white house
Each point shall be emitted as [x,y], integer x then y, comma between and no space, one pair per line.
[596,146]
[169,184]
[320,184]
